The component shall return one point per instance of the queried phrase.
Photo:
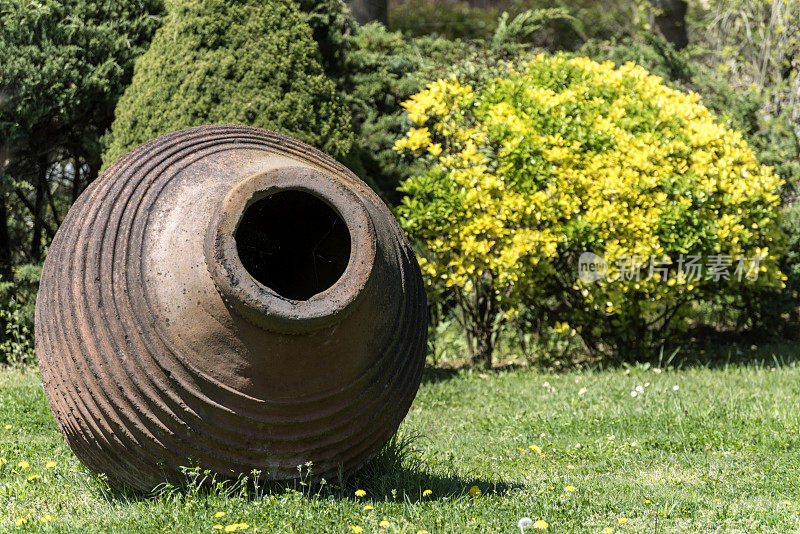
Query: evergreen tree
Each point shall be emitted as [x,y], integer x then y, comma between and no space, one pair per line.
[247,62]
[63,66]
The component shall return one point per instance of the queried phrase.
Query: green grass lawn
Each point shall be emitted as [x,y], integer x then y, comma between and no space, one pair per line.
[698,448]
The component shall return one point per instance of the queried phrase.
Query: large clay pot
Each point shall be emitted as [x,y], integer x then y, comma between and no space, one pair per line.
[229,298]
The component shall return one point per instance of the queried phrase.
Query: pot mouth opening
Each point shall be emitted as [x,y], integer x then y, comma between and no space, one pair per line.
[291,249]
[294,243]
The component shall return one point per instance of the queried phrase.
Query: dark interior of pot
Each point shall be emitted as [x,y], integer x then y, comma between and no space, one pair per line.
[294,243]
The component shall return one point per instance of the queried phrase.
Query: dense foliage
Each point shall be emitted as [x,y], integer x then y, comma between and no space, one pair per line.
[216,61]
[63,65]
[306,68]
[588,19]
[773,137]
[563,156]
[379,70]
[376,70]
[382,69]
[753,48]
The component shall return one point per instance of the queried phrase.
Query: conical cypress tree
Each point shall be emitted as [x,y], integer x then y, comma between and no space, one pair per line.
[226,61]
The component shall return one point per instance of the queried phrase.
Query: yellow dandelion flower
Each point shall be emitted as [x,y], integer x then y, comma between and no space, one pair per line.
[23,465]
[569,488]
[49,465]
[368,507]
[357,529]
[786,502]
[34,477]
[607,530]
[3,461]
[384,524]
[426,493]
[423,532]
[46,518]
[231,528]
[475,491]
[623,520]
[540,524]
[8,427]
[20,521]
[220,514]
[360,493]
[648,501]
[570,466]
[218,527]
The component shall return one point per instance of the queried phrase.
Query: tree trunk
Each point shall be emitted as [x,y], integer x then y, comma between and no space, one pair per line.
[38,212]
[368,10]
[669,21]
[484,348]
[483,321]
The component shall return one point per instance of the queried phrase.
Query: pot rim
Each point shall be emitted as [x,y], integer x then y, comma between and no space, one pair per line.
[260,304]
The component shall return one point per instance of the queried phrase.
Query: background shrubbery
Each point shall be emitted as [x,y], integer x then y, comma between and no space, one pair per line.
[63,66]
[214,62]
[562,156]
[305,68]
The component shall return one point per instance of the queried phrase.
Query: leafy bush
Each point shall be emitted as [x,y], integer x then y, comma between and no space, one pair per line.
[17,303]
[774,138]
[16,344]
[379,70]
[63,66]
[450,19]
[217,61]
[586,19]
[753,45]
[563,156]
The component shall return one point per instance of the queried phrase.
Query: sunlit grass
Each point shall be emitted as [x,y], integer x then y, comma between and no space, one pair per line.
[697,448]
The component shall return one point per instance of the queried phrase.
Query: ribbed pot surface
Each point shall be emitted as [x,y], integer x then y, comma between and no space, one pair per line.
[229,298]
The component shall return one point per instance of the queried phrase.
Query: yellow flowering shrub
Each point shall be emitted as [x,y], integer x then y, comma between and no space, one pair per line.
[564,156]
